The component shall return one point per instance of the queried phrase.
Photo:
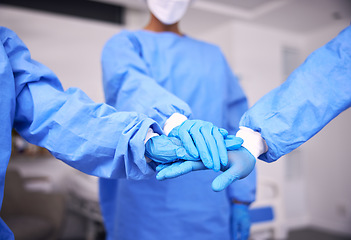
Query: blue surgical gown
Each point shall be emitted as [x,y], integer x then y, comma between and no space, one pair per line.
[314,94]
[160,74]
[91,137]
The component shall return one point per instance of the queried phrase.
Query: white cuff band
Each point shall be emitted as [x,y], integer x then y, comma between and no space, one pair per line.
[150,133]
[252,141]
[173,121]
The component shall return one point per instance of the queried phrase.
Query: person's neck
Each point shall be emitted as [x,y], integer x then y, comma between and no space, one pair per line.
[156,25]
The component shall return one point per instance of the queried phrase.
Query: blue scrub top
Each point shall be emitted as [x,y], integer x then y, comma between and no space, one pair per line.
[91,137]
[314,94]
[159,74]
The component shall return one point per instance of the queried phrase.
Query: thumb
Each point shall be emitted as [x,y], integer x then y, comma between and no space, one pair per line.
[226,178]
[180,153]
[232,142]
[223,132]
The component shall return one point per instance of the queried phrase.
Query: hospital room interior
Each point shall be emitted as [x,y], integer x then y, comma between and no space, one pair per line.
[303,195]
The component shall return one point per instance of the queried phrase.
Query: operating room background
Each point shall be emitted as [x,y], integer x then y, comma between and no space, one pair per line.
[263,43]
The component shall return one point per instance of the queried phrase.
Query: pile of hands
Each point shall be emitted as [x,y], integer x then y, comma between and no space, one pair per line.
[199,145]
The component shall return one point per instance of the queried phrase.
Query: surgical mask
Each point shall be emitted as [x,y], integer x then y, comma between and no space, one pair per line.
[168,11]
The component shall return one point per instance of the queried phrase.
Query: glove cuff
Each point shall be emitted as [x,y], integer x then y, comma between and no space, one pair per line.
[173,121]
[253,141]
[150,133]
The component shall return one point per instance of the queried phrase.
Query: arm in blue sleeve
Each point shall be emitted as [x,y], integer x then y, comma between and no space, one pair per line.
[91,137]
[128,84]
[314,94]
[243,190]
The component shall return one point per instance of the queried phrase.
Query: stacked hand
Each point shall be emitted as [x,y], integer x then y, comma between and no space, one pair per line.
[204,141]
[241,163]
[199,145]
[165,150]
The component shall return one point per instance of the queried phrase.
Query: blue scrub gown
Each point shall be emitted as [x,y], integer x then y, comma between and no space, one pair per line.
[159,74]
[314,94]
[91,137]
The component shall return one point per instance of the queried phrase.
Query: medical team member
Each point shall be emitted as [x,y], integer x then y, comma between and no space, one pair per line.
[282,120]
[161,72]
[91,137]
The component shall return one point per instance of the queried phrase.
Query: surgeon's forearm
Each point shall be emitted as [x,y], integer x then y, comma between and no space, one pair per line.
[129,85]
[91,137]
[314,94]
[253,141]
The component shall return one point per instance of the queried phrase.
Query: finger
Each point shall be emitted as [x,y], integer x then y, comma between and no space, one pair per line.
[222,150]
[162,150]
[181,151]
[232,142]
[226,178]
[242,161]
[186,156]
[180,168]
[161,174]
[185,136]
[223,132]
[162,166]
[171,154]
[201,146]
[206,131]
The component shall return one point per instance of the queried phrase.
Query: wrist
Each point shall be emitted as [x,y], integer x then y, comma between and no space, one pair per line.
[150,133]
[173,121]
[253,141]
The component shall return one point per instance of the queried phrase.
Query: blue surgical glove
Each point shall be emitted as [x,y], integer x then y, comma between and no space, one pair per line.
[163,149]
[240,221]
[241,163]
[203,140]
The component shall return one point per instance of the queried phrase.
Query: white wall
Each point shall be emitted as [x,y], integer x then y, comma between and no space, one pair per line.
[69,46]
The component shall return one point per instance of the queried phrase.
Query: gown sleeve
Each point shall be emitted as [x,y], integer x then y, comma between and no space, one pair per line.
[90,137]
[128,83]
[314,94]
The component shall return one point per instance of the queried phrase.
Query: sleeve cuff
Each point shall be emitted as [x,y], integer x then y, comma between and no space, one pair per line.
[173,121]
[150,133]
[253,141]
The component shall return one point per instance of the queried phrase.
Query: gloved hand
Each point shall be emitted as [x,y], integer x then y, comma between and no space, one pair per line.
[203,140]
[241,163]
[240,221]
[163,149]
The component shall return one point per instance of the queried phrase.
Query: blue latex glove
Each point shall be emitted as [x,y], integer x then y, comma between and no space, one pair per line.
[240,221]
[241,163]
[163,149]
[203,139]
